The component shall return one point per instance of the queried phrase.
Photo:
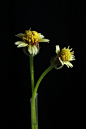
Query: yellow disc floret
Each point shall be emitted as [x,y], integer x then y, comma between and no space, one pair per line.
[31,37]
[66,54]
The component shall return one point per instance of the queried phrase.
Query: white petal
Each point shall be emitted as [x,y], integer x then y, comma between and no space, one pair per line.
[22,45]
[41,36]
[29,49]
[64,47]
[61,61]
[19,42]
[72,58]
[35,50]
[68,64]
[57,49]
[44,40]
[20,35]
[32,49]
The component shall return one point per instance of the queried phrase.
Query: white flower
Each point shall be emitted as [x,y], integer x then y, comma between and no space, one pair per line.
[31,40]
[65,56]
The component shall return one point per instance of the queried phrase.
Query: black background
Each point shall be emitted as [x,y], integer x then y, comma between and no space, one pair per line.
[61,94]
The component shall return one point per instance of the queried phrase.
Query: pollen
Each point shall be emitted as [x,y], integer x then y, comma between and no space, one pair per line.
[65,54]
[31,37]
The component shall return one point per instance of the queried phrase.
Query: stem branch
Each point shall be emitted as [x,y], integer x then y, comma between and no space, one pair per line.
[34,93]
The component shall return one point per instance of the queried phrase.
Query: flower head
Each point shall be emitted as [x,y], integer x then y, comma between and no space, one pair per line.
[65,56]
[31,40]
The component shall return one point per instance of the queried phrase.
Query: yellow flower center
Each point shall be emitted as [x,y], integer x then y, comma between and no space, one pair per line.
[65,54]
[31,37]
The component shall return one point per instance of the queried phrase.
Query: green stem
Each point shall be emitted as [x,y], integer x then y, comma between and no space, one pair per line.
[32,73]
[33,115]
[32,81]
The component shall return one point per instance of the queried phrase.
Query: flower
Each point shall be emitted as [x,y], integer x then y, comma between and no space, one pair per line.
[65,56]
[31,40]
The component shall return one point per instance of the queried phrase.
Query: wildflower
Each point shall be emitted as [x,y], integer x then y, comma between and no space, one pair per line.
[65,56]
[31,40]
